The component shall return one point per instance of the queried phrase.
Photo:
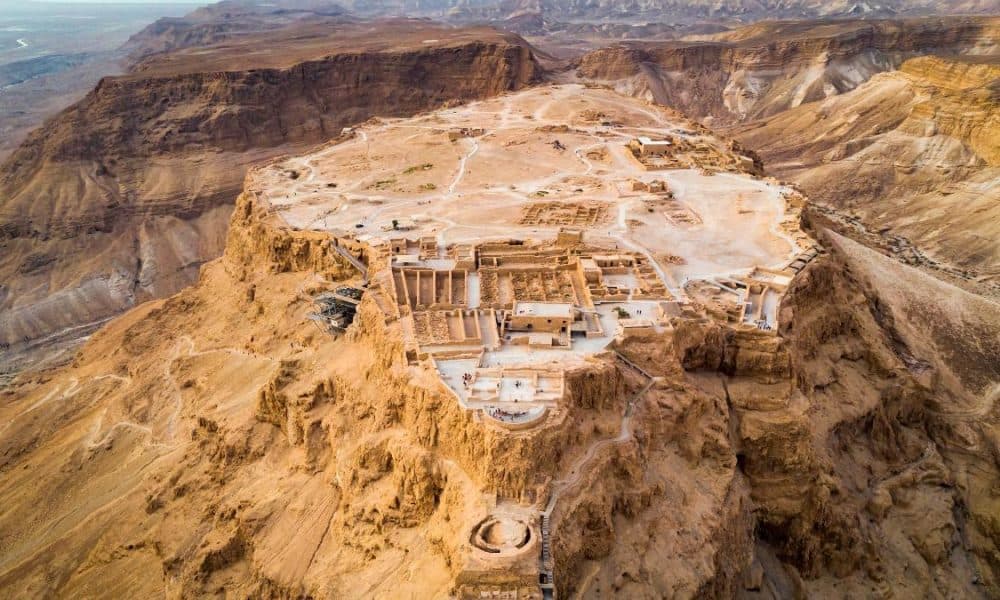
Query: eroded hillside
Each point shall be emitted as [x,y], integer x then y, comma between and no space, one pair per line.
[682,11]
[764,69]
[915,156]
[123,196]
[752,416]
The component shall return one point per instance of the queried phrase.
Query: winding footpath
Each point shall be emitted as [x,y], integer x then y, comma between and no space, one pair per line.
[561,486]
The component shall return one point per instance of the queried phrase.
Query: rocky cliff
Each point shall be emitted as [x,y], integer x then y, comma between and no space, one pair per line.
[124,195]
[915,156]
[256,453]
[856,451]
[764,69]
[218,442]
[894,413]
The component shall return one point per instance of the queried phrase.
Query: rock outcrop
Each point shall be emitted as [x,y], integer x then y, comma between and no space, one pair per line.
[255,453]
[217,441]
[852,454]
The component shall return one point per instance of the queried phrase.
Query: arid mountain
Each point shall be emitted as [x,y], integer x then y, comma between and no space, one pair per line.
[670,10]
[915,155]
[124,195]
[764,69]
[227,20]
[217,443]
[394,309]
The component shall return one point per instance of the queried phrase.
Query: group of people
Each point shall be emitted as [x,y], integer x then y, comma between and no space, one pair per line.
[503,415]
[467,379]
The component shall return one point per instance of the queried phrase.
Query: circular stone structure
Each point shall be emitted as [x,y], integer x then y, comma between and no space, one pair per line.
[523,419]
[502,535]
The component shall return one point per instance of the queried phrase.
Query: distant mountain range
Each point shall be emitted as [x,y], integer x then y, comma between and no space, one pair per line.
[670,10]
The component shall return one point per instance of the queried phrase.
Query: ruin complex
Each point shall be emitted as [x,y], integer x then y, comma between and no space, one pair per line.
[533,243]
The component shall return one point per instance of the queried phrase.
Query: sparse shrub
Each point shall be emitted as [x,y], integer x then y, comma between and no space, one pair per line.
[415,168]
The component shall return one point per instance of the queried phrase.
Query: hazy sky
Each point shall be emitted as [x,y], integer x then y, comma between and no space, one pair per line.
[22,3]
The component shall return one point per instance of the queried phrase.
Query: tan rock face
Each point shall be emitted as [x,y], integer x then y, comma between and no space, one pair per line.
[872,422]
[852,465]
[217,442]
[124,195]
[764,69]
[913,152]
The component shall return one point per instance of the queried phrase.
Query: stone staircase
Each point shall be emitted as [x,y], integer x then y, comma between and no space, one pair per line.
[546,581]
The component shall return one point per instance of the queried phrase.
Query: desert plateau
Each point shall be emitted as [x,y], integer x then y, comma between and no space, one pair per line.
[509,301]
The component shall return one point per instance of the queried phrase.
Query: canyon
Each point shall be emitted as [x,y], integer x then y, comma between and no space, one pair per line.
[761,70]
[934,203]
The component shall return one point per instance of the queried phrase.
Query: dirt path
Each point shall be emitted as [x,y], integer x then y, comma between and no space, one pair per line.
[560,486]
[186,341]
[576,472]
[461,167]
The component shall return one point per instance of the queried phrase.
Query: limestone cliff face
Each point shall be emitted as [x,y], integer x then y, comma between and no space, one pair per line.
[707,345]
[143,116]
[854,447]
[124,195]
[915,156]
[966,108]
[664,514]
[876,405]
[254,239]
[764,69]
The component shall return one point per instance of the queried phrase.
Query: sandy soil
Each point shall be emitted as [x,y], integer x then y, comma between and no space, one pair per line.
[477,188]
